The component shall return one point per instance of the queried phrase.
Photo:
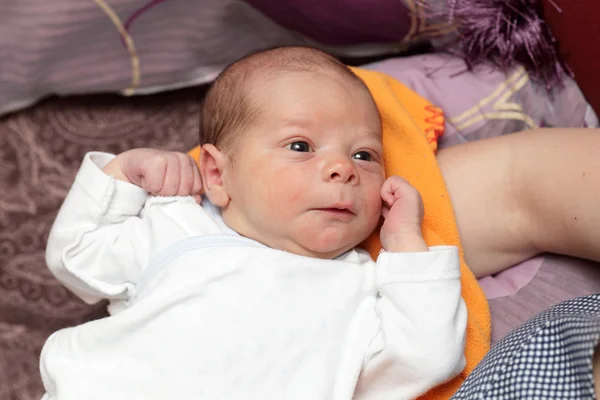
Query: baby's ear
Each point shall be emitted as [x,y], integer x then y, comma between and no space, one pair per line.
[213,164]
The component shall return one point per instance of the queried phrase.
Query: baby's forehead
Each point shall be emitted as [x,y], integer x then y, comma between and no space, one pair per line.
[283,103]
[270,88]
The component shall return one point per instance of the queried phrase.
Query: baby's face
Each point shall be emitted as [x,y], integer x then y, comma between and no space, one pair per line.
[307,176]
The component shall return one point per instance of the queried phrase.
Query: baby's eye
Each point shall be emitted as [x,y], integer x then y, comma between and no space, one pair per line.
[363,155]
[299,146]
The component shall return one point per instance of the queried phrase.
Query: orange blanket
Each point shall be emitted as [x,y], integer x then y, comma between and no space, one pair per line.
[411,127]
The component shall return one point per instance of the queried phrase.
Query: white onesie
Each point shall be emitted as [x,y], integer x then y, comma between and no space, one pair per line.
[200,312]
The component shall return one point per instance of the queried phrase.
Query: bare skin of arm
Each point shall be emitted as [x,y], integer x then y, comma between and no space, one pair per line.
[519,195]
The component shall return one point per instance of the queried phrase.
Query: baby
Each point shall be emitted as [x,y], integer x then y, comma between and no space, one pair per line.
[256,289]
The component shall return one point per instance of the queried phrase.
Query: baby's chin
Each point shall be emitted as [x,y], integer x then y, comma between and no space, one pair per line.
[321,246]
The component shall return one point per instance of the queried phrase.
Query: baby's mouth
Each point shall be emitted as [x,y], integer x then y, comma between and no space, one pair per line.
[336,209]
[337,212]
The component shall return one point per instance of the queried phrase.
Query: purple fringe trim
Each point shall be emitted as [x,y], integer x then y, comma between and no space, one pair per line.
[507,33]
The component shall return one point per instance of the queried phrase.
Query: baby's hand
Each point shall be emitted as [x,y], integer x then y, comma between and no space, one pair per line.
[403,213]
[160,173]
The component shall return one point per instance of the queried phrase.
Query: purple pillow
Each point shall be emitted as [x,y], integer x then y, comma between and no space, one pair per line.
[342,22]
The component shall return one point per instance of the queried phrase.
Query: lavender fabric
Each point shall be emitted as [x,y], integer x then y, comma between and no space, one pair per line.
[73,46]
[487,102]
[510,281]
[76,47]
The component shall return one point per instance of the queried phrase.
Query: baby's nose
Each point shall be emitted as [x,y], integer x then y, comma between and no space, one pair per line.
[340,169]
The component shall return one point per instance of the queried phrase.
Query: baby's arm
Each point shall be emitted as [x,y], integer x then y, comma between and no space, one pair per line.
[100,239]
[422,314]
[423,325]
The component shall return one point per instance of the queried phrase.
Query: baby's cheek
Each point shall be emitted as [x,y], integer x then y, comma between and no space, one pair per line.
[374,199]
[374,208]
[290,186]
[281,198]
[294,196]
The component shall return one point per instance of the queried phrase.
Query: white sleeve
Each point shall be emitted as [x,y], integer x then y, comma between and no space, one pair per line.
[423,321]
[107,230]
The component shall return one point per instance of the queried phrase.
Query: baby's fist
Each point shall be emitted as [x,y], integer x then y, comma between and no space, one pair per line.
[160,173]
[403,213]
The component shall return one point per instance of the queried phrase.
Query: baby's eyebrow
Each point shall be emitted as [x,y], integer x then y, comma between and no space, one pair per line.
[298,122]
[375,137]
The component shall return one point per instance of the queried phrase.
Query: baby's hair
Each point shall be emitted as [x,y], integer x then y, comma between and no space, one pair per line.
[227,109]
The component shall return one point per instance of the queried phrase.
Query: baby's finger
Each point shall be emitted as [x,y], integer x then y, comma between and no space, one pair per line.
[186,175]
[152,173]
[172,178]
[387,192]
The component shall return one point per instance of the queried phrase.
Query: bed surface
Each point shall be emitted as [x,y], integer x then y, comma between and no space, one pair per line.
[41,148]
